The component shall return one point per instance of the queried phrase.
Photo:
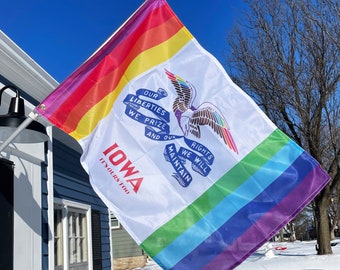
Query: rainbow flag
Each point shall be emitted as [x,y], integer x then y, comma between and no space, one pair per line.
[189,164]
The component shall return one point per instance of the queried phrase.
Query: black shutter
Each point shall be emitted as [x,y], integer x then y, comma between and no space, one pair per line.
[96,240]
[6,213]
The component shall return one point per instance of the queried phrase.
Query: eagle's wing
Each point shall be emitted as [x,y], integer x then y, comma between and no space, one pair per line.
[184,92]
[213,118]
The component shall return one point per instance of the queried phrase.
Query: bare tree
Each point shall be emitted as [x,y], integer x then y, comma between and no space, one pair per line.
[334,212]
[304,224]
[286,55]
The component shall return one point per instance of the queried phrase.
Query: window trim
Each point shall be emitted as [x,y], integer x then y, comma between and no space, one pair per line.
[58,227]
[64,205]
[118,226]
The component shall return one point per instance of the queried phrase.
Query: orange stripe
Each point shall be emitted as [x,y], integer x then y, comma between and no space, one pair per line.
[151,58]
[119,53]
[109,82]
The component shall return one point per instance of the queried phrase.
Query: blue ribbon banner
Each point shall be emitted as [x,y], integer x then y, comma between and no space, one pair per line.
[157,128]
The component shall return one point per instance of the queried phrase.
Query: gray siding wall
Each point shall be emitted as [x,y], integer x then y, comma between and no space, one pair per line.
[123,245]
[71,182]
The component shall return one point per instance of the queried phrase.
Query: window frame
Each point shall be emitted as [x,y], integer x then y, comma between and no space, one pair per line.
[113,217]
[68,206]
[59,236]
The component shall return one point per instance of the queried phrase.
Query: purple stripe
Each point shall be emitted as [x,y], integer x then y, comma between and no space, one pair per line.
[271,222]
[249,215]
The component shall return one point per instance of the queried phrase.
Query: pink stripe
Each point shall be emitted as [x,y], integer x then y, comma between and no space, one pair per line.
[66,88]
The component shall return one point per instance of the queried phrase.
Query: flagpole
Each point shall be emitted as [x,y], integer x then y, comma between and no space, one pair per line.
[31,117]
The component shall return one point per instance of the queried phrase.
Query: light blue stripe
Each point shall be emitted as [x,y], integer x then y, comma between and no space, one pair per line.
[266,175]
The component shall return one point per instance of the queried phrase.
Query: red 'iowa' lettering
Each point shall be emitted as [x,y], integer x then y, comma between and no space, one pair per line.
[117,157]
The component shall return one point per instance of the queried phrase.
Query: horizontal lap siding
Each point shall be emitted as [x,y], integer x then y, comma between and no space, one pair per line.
[71,183]
[123,245]
[67,161]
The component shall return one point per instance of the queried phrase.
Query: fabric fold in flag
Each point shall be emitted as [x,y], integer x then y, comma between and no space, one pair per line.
[189,164]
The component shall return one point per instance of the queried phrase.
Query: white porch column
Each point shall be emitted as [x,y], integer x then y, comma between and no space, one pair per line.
[27,158]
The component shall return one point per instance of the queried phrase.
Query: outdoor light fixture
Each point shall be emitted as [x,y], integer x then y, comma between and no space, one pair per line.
[34,131]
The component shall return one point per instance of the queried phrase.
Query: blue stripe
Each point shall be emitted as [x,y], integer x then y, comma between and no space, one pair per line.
[218,241]
[195,235]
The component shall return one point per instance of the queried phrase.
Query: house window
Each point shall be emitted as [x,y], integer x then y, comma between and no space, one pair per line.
[77,237]
[115,224]
[72,237]
[58,239]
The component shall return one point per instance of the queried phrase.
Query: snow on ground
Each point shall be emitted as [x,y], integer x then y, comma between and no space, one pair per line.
[285,256]
[296,256]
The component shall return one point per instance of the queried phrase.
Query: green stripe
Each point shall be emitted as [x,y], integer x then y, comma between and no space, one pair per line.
[235,177]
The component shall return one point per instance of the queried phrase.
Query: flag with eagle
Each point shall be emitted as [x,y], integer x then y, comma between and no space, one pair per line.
[192,168]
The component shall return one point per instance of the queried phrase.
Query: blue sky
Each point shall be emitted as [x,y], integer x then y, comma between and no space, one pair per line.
[61,34]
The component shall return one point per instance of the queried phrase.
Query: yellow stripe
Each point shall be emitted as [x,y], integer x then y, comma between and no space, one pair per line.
[143,62]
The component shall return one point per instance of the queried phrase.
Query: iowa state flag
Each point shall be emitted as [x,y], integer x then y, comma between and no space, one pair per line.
[192,168]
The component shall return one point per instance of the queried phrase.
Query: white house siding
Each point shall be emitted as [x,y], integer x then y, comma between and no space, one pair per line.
[27,204]
[36,171]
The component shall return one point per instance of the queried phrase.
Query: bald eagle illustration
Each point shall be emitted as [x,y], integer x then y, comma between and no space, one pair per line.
[191,119]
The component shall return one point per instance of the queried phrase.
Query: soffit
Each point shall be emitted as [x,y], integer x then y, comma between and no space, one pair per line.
[17,67]
[22,71]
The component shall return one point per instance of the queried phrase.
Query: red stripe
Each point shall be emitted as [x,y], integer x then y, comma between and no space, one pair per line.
[114,64]
[110,81]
